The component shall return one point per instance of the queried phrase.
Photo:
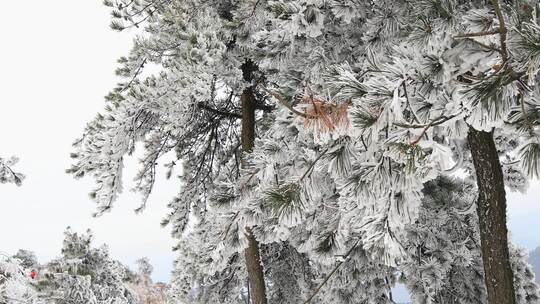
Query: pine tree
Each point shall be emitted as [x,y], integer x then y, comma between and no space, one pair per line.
[77,290]
[15,286]
[527,290]
[210,146]
[28,258]
[375,102]
[445,263]
[412,101]
[85,275]
[251,253]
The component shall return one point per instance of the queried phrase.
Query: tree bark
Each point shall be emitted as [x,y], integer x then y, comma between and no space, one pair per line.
[252,255]
[491,208]
[254,269]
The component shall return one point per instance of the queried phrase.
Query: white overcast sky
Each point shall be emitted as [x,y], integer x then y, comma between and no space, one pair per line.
[57,62]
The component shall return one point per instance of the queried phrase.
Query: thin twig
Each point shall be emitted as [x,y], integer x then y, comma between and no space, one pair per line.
[254,8]
[489,47]
[230,224]
[416,141]
[435,122]
[409,103]
[502,29]
[287,105]
[313,164]
[526,120]
[479,34]
[245,184]
[332,272]
[135,75]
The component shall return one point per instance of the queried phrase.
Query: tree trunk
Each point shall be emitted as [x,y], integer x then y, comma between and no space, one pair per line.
[254,269]
[491,208]
[251,253]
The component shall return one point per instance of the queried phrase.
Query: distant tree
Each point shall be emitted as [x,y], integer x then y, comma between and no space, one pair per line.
[527,290]
[146,290]
[144,270]
[28,258]
[77,290]
[534,259]
[83,272]
[15,285]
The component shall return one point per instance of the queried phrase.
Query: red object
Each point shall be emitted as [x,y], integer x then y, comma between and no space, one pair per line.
[33,274]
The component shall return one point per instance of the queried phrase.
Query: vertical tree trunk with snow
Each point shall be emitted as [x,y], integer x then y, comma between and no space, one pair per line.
[252,255]
[491,208]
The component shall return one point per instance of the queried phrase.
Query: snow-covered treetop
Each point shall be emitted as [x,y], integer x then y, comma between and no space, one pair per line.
[15,286]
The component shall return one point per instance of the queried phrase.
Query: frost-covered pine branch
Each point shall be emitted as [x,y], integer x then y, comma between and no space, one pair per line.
[7,173]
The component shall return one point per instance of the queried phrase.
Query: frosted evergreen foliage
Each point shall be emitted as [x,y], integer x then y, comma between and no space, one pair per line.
[444,264]
[7,173]
[28,258]
[362,111]
[144,270]
[88,274]
[423,74]
[290,272]
[197,279]
[527,289]
[15,285]
[77,290]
